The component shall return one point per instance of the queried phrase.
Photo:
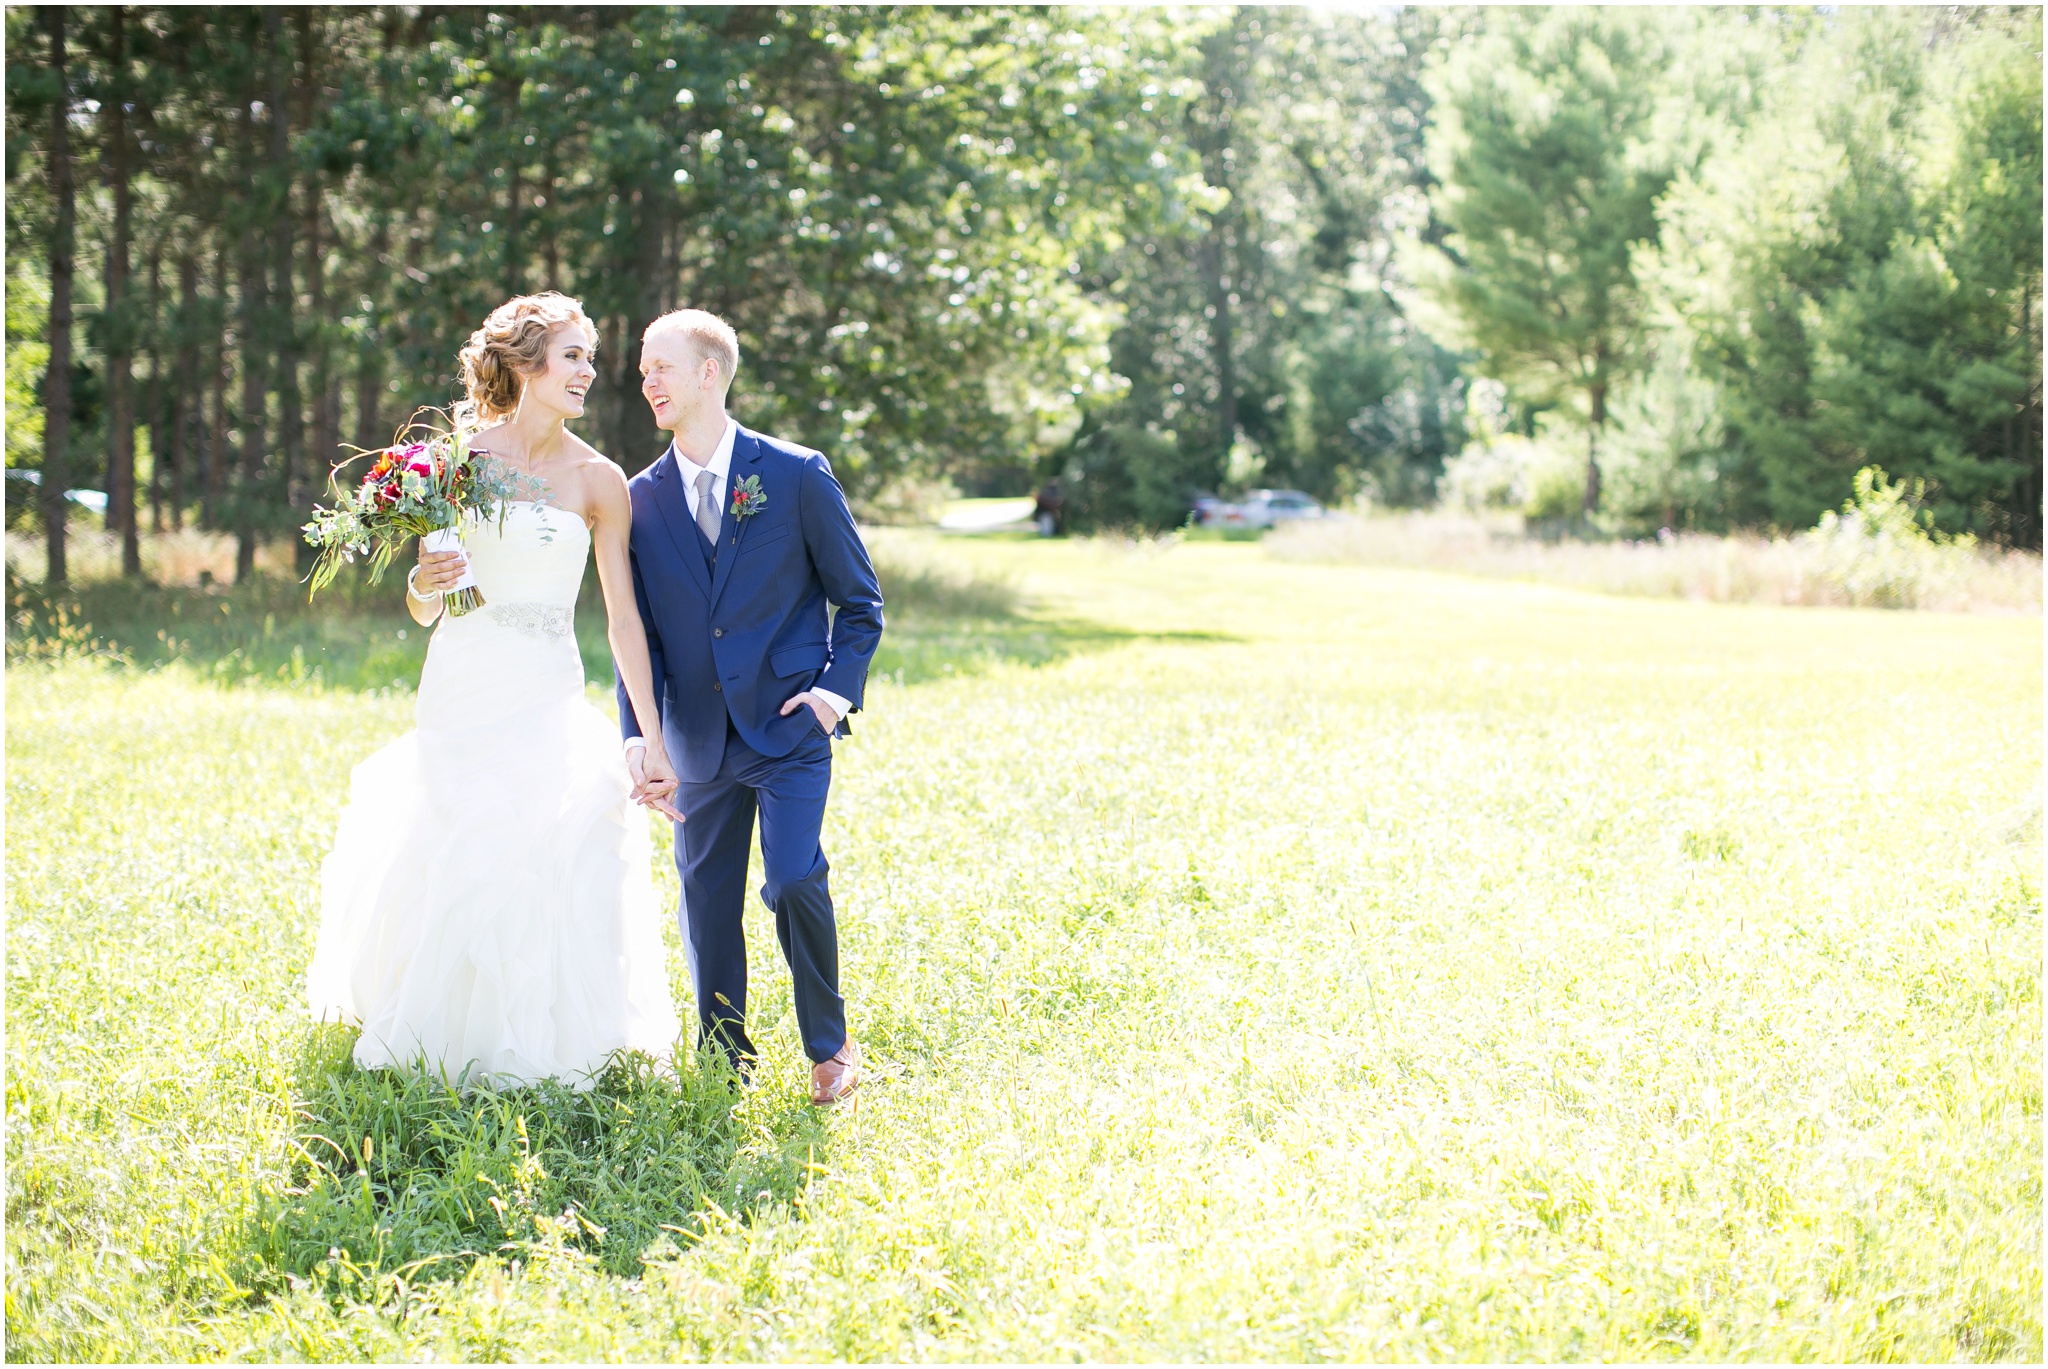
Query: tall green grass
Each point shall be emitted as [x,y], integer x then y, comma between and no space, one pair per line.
[1292,962]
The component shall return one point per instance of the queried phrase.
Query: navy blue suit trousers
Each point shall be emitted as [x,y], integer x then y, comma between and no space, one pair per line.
[788,794]
[736,627]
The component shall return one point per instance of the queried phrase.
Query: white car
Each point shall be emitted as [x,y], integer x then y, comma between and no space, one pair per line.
[95,500]
[1264,508]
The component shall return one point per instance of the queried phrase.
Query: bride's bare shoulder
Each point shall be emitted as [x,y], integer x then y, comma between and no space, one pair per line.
[593,464]
[603,483]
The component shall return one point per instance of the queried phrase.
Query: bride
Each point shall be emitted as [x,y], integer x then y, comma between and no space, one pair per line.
[487,910]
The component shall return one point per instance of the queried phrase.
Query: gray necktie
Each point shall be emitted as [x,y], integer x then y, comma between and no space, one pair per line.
[707,507]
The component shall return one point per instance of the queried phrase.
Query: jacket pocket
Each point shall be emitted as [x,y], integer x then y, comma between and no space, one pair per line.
[767,537]
[796,660]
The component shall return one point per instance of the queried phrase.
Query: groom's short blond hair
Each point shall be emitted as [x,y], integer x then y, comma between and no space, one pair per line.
[711,335]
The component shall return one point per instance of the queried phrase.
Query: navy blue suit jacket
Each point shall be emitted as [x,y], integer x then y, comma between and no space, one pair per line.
[739,640]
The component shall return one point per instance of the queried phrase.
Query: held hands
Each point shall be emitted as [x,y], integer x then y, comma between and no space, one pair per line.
[654,779]
[827,717]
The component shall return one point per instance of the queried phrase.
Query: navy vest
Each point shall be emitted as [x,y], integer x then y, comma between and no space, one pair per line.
[706,546]
[709,550]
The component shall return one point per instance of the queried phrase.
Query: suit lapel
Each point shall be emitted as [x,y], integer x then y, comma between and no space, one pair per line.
[673,506]
[746,454]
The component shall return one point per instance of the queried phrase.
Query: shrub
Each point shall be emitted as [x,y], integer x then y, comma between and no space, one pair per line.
[1875,553]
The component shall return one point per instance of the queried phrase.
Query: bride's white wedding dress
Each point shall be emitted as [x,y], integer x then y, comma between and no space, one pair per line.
[487,908]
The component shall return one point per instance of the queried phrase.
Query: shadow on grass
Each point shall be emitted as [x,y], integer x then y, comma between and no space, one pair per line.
[356,637]
[917,649]
[394,1174]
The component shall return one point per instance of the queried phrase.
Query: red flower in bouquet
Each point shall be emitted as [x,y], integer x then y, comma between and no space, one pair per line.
[385,481]
[423,485]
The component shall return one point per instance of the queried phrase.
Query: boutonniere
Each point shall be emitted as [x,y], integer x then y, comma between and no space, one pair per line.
[747,498]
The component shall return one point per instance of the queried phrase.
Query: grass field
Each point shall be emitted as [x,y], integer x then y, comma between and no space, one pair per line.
[1259,960]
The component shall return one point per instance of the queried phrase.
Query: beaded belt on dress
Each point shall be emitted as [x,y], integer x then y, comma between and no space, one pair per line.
[535,620]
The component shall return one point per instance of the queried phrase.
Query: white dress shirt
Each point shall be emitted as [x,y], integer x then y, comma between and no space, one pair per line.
[720,466]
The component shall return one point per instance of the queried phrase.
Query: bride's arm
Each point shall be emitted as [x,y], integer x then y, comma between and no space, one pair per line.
[612,522]
[436,573]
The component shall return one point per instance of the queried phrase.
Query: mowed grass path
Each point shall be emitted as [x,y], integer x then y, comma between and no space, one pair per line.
[1310,962]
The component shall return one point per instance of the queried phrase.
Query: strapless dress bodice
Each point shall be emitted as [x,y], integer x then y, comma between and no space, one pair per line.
[519,647]
[528,553]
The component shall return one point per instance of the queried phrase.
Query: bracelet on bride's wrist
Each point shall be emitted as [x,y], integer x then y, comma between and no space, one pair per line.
[412,590]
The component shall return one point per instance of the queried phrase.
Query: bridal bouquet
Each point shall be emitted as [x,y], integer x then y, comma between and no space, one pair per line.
[423,485]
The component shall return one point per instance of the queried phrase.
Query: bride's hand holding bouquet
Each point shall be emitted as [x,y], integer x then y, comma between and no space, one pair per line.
[423,485]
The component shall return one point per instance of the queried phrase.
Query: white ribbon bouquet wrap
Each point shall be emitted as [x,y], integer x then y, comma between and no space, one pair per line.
[463,595]
[423,485]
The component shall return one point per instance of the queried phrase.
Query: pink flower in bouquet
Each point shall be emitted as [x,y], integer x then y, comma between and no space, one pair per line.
[414,457]
[414,487]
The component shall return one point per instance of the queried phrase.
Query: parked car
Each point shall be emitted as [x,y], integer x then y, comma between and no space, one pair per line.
[1261,509]
[94,500]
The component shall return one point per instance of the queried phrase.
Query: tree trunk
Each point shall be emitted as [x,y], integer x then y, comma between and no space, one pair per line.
[1222,344]
[291,413]
[370,431]
[186,389]
[251,308]
[624,432]
[57,381]
[326,385]
[214,462]
[325,401]
[415,345]
[369,394]
[2027,525]
[120,333]
[1213,255]
[1596,420]
[515,261]
[551,249]
[636,439]
[156,397]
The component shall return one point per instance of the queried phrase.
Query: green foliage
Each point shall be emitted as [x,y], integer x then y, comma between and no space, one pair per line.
[1879,545]
[1256,341]
[1666,442]
[1551,149]
[1132,477]
[1149,252]
[1382,966]
[889,205]
[28,355]
[1863,271]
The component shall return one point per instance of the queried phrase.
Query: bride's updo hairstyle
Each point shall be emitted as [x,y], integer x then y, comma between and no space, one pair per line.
[512,345]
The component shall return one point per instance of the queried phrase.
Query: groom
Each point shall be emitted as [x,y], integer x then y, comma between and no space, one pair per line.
[739,542]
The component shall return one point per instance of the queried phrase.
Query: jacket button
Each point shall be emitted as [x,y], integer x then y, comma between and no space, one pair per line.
[718,632]
[717,688]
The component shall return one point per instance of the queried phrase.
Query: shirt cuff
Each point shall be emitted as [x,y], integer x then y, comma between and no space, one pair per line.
[840,706]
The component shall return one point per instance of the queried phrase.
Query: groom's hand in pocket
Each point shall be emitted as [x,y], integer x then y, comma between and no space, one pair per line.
[827,717]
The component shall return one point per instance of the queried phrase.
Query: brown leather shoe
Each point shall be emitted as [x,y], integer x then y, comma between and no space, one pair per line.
[833,1080]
